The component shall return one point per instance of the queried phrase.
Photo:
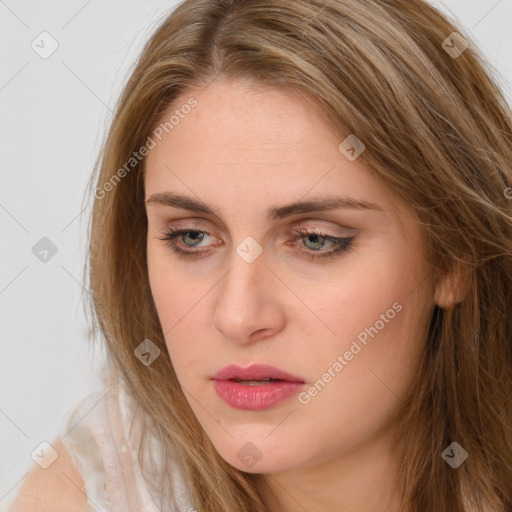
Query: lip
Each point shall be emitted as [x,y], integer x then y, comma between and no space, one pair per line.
[257,397]
[255,372]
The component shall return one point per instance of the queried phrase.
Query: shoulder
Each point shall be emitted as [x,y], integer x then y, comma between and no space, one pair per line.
[54,489]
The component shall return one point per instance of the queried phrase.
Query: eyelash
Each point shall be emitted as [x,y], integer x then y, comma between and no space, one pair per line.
[342,244]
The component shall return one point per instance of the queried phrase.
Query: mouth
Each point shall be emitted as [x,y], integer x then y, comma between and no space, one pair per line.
[255,388]
[255,374]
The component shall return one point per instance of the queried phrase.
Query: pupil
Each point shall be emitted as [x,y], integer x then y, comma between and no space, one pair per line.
[315,239]
[195,235]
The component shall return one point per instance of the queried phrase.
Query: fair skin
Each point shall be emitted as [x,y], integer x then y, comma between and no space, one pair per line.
[243,150]
[58,488]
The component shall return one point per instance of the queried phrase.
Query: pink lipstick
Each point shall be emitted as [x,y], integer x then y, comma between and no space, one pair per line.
[256,387]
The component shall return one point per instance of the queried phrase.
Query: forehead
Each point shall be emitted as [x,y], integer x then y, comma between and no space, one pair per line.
[240,120]
[244,145]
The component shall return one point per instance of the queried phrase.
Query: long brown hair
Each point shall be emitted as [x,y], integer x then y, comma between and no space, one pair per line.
[437,132]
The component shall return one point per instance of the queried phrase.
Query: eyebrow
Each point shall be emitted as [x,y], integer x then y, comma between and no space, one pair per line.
[275,212]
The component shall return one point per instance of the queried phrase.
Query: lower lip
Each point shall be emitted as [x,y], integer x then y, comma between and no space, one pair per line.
[255,398]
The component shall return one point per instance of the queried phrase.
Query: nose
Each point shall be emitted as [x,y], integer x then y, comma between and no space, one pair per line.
[248,307]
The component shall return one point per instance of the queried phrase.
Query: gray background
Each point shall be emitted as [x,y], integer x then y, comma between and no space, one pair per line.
[54,113]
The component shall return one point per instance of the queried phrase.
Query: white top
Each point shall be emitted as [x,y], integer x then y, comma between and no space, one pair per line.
[101,436]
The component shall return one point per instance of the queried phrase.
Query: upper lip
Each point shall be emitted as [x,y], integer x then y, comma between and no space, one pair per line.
[254,372]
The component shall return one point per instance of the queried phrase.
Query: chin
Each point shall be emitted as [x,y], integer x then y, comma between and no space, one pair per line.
[257,457]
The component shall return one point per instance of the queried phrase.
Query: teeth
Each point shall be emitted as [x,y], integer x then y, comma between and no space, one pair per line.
[256,382]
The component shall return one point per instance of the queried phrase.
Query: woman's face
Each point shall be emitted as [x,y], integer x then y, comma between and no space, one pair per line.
[347,323]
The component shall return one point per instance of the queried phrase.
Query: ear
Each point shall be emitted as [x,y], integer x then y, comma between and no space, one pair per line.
[453,287]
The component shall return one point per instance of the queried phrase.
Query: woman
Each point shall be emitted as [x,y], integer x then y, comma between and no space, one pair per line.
[301,264]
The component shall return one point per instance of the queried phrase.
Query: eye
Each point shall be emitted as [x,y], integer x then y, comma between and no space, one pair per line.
[190,237]
[313,241]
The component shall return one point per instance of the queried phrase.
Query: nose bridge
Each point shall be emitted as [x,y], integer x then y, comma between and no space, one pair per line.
[248,266]
[245,304]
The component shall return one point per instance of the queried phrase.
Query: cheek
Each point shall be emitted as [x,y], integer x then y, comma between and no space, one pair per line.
[355,297]
[178,304]
[172,292]
[370,313]
[363,373]
[159,282]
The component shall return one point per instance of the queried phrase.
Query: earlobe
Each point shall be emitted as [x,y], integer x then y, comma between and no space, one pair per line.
[452,288]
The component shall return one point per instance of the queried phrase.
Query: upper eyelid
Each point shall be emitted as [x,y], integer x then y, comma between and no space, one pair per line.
[308,225]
